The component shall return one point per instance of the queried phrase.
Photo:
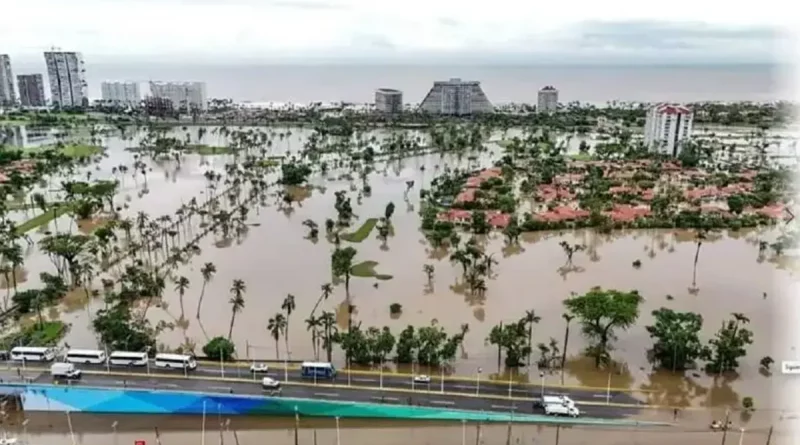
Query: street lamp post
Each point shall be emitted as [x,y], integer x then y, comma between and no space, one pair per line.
[510,383]
[741,435]
[541,376]
[478,382]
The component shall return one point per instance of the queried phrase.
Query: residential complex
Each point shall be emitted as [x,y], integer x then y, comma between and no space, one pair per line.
[121,94]
[456,97]
[547,100]
[388,101]
[667,127]
[31,90]
[7,96]
[182,95]
[67,77]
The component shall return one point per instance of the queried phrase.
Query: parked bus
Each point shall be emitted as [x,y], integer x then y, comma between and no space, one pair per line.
[176,361]
[126,358]
[85,356]
[318,370]
[32,354]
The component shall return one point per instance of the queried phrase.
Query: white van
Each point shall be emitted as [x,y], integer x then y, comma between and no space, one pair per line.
[32,354]
[175,361]
[86,356]
[554,400]
[64,371]
[127,358]
[558,409]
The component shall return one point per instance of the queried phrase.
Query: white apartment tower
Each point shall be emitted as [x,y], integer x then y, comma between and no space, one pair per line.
[456,97]
[667,127]
[388,101]
[121,94]
[67,76]
[547,100]
[183,95]
[7,96]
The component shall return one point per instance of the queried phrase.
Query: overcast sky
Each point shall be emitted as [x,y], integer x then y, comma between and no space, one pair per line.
[522,31]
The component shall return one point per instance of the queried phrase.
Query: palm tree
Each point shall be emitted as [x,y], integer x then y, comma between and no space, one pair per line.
[276,327]
[497,337]
[699,237]
[13,254]
[530,319]
[288,306]
[313,324]
[429,271]
[180,286]
[237,302]
[567,318]
[327,290]
[208,271]
[328,322]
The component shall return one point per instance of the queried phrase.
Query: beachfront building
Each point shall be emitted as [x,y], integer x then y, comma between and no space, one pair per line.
[67,76]
[456,97]
[183,95]
[667,127]
[388,101]
[7,96]
[31,90]
[121,94]
[547,100]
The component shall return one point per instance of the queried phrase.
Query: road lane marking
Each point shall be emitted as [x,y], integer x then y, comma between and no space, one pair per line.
[170,385]
[504,407]
[391,399]
[443,402]
[363,380]
[462,386]
[220,388]
[326,394]
[599,396]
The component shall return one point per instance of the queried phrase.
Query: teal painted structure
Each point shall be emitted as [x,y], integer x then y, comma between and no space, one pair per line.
[61,398]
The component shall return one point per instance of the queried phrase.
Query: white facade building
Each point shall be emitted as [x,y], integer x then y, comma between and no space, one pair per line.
[183,95]
[7,96]
[667,127]
[388,100]
[547,100]
[456,97]
[31,91]
[123,94]
[67,76]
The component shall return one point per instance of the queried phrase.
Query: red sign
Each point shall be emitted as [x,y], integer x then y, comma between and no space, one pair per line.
[139,442]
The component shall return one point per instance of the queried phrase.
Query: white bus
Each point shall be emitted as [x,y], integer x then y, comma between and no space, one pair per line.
[85,356]
[32,354]
[125,358]
[176,361]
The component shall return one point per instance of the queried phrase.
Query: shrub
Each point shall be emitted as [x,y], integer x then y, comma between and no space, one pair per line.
[219,346]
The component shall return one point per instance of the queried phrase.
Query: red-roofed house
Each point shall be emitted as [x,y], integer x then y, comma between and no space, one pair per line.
[498,220]
[562,213]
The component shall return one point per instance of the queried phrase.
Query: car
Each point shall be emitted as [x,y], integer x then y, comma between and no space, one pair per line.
[422,379]
[259,368]
[270,383]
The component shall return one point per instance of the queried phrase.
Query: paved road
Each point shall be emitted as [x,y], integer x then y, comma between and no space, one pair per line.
[209,384]
[393,381]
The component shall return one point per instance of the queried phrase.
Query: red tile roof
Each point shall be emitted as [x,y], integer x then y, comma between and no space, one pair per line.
[562,213]
[672,109]
[466,195]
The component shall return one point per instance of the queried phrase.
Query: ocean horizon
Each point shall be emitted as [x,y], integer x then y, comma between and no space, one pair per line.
[597,84]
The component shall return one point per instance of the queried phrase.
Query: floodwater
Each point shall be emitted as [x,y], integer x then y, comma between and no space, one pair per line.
[275,259]
[54,428]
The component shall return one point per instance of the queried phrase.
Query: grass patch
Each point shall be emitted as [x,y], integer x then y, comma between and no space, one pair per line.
[42,219]
[581,156]
[49,334]
[208,150]
[366,269]
[362,233]
[69,150]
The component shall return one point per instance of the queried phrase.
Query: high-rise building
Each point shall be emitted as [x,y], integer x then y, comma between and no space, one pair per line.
[121,94]
[67,76]
[31,90]
[183,95]
[456,97]
[388,101]
[7,96]
[667,127]
[547,100]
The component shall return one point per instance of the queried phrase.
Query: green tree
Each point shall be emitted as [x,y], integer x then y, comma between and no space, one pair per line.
[601,313]
[729,345]
[676,339]
[407,344]
[288,306]
[389,211]
[219,347]
[180,286]
[276,327]
[736,204]
[530,319]
[342,264]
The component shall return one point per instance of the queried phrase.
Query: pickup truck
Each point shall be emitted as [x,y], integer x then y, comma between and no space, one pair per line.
[557,409]
[64,371]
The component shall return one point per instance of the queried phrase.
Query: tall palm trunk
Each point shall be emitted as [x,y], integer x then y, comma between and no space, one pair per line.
[230,329]
[564,352]
[694,269]
[200,301]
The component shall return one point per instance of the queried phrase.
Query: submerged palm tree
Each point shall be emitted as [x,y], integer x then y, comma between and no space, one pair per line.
[288,306]
[208,271]
[180,286]
[327,290]
[237,302]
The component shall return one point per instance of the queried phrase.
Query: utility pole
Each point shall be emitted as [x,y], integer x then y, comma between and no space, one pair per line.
[769,434]
[725,425]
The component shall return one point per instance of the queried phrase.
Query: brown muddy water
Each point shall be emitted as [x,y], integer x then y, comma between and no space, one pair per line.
[276,259]
[54,428]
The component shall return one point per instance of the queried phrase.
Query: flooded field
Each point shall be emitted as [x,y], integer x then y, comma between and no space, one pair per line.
[54,429]
[276,258]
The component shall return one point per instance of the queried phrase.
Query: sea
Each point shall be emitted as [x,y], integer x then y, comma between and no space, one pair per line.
[598,85]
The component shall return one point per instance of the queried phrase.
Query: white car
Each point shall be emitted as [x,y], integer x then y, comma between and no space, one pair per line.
[422,379]
[259,367]
[270,383]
